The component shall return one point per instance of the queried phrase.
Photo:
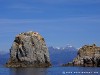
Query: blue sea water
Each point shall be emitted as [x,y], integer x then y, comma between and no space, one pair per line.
[51,71]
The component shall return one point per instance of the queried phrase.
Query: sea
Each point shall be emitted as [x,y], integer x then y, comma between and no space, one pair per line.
[51,71]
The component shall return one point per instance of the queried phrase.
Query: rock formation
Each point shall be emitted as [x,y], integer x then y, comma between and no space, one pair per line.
[88,55]
[29,50]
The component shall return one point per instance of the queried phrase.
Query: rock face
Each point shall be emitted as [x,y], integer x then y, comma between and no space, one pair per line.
[88,55]
[29,50]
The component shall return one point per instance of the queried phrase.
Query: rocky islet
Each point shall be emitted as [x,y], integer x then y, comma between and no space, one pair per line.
[29,50]
[88,56]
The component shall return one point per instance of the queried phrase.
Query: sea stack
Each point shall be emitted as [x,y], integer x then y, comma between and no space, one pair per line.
[88,56]
[29,50]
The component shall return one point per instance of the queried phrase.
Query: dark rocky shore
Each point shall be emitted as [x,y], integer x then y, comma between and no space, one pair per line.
[88,56]
[29,50]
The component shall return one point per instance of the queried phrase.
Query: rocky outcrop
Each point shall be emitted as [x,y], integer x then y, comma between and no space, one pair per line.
[29,50]
[88,55]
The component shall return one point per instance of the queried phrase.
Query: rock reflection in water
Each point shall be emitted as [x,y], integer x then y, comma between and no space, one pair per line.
[28,71]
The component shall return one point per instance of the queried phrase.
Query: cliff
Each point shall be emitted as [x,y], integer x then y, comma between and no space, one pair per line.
[29,50]
[88,56]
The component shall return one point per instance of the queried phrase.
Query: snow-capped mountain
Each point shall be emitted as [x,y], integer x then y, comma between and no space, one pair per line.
[62,55]
[66,48]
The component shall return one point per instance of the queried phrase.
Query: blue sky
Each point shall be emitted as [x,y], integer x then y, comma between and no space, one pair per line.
[60,22]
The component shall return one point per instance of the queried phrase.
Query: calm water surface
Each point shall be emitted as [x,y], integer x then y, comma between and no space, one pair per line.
[51,71]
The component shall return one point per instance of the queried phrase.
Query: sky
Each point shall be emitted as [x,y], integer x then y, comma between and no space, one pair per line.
[60,22]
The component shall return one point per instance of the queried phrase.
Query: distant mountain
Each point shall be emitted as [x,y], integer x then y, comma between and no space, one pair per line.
[3,58]
[58,55]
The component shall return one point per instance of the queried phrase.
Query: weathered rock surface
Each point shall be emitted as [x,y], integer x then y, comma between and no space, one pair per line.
[88,55]
[29,50]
